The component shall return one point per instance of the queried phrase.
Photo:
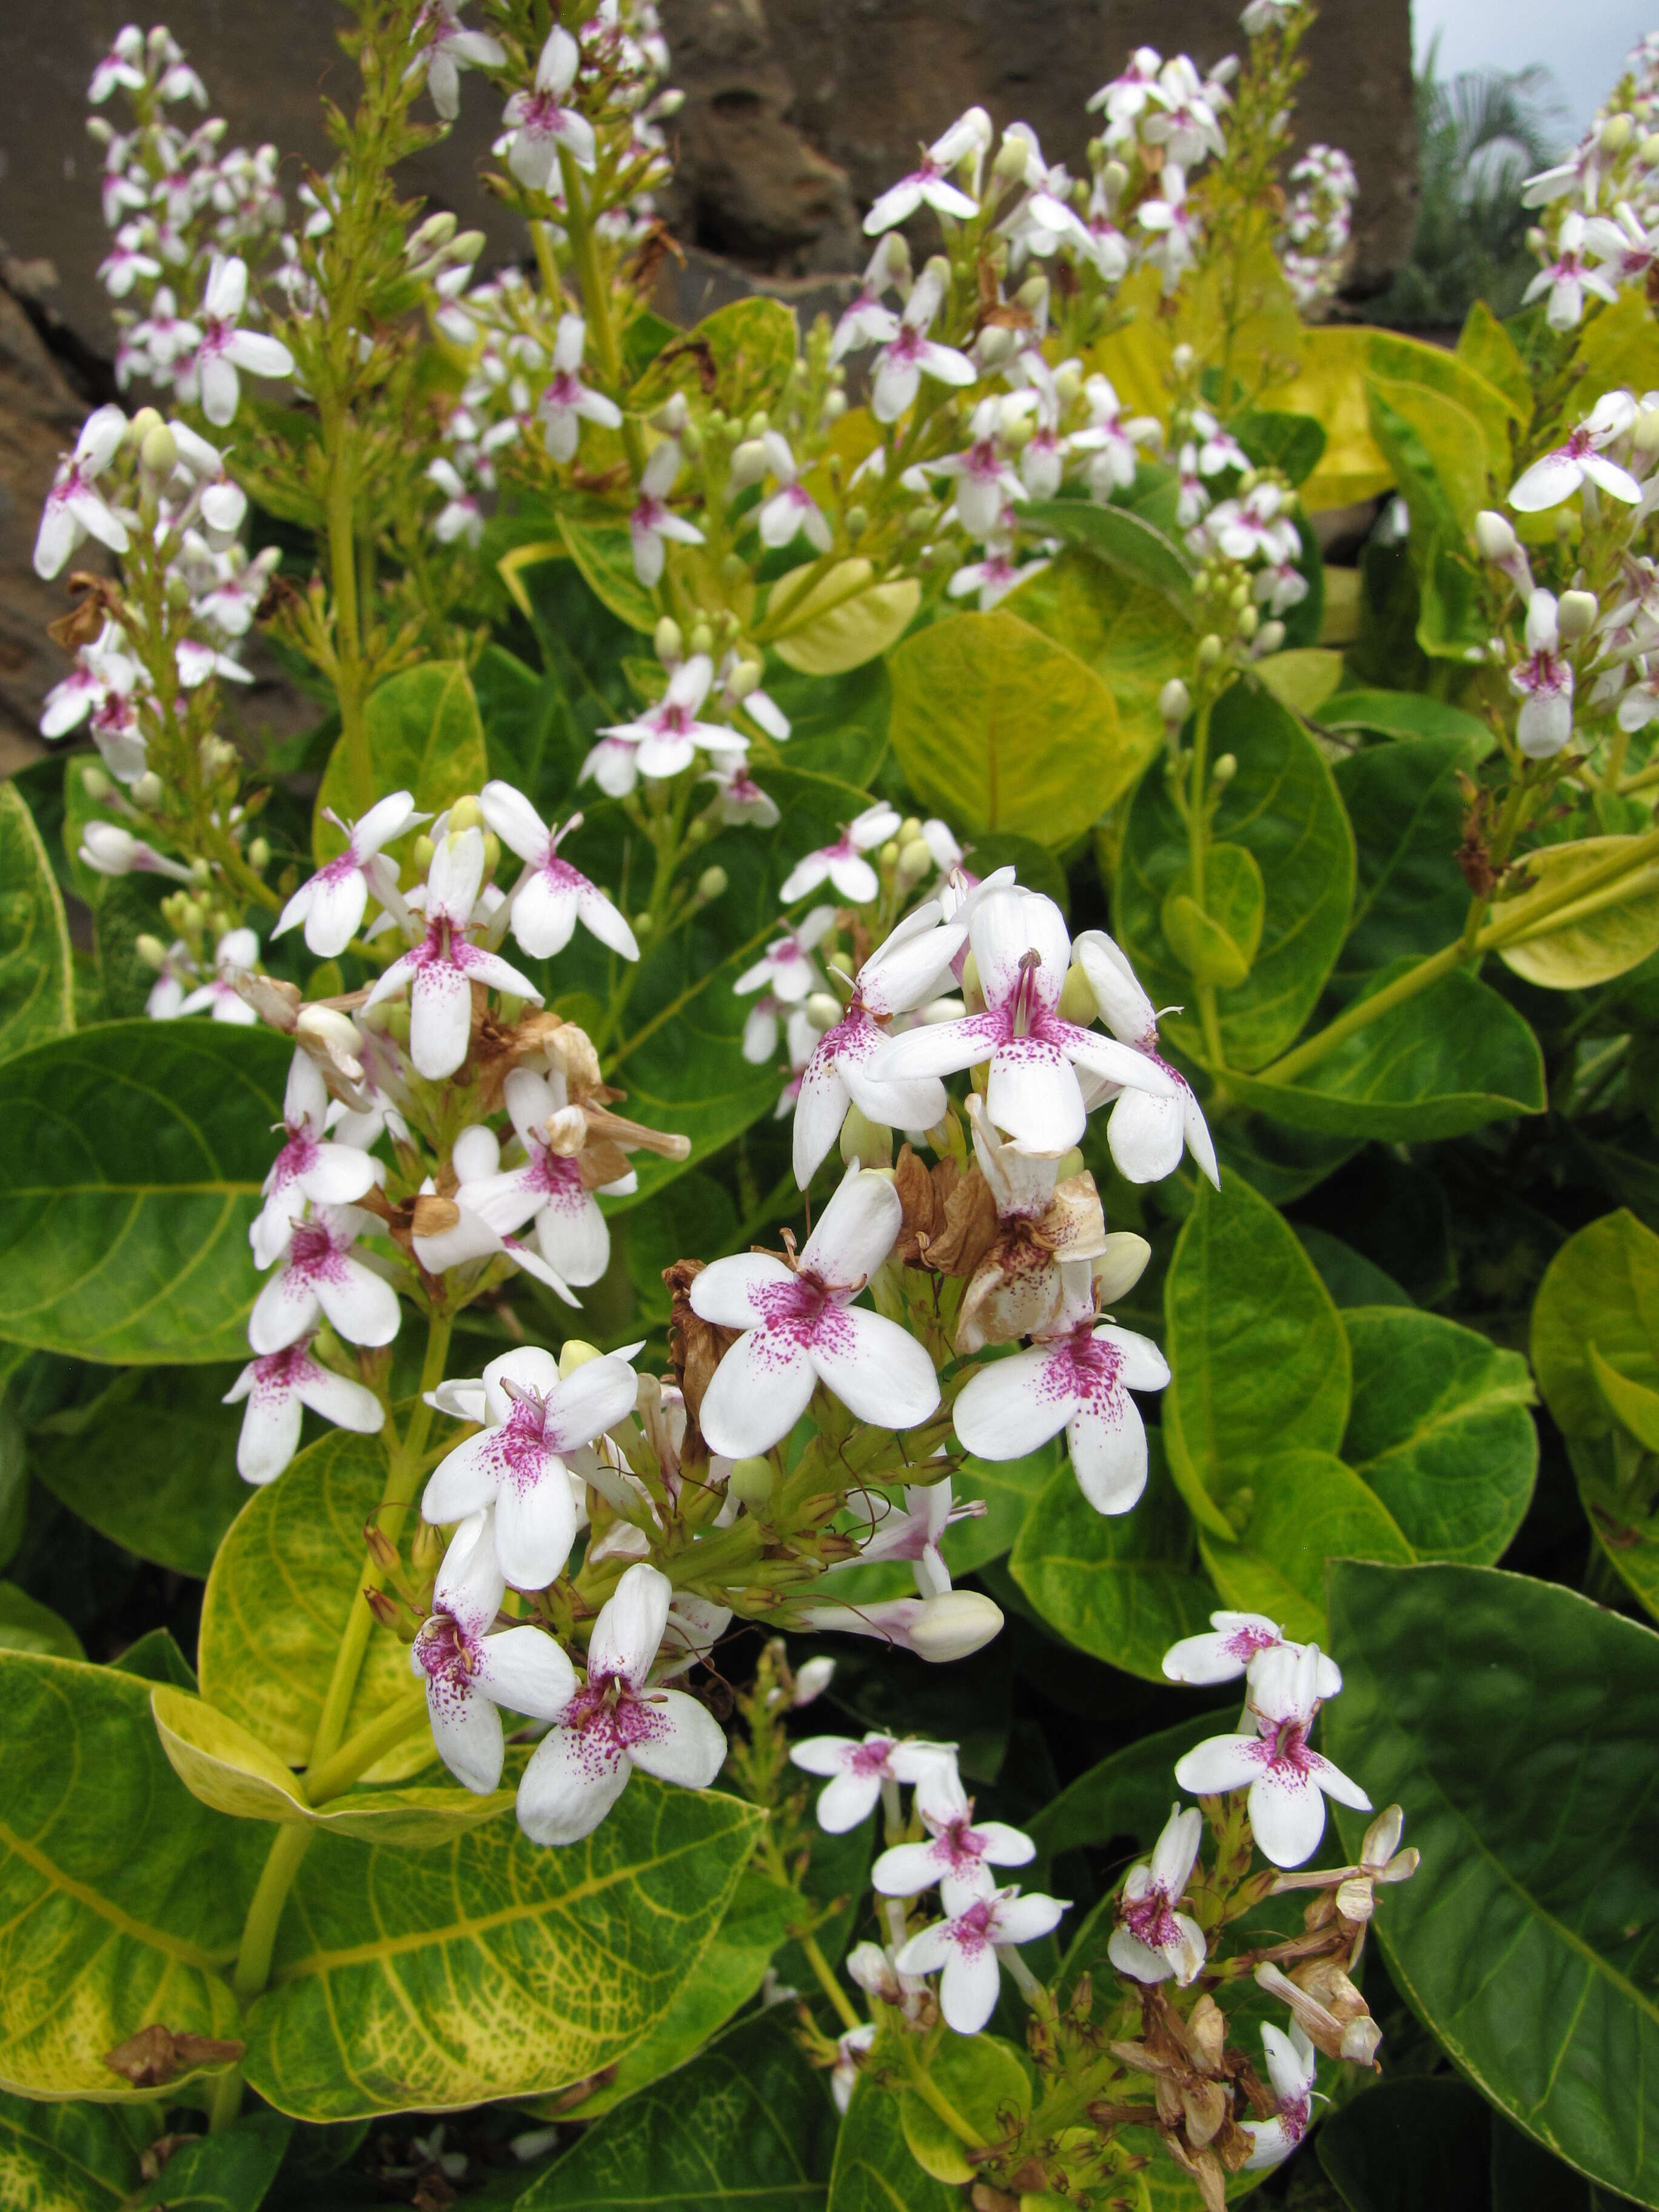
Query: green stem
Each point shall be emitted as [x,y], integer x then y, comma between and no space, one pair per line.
[933,2096]
[827,1982]
[252,1971]
[359,1752]
[1415,980]
[1198,844]
[348,642]
[596,302]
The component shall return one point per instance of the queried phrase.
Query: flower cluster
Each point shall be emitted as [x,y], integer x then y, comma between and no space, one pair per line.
[1170,1922]
[1318,226]
[1599,227]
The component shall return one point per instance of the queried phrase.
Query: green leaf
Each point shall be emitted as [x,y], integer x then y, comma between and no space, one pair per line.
[844,620]
[489,1967]
[1487,348]
[1282,807]
[1301,677]
[1124,541]
[604,555]
[732,1969]
[1349,1276]
[1526,2178]
[1127,632]
[1514,1722]
[838,725]
[37,988]
[424,736]
[1604,934]
[155,1657]
[1459,378]
[1449,1060]
[26,1625]
[738,359]
[873,2170]
[748,2123]
[132,1172]
[1011,1489]
[1404,715]
[1406,807]
[1125,1795]
[219,1762]
[229,2171]
[1259,1354]
[1122,1587]
[1216,940]
[1299,1509]
[1407,2144]
[998,728]
[1636,1407]
[1602,1288]
[1294,443]
[13,1473]
[282,1589]
[1439,454]
[1439,1427]
[121,1898]
[65,2158]
[985,2083]
[1618,1503]
[151,1464]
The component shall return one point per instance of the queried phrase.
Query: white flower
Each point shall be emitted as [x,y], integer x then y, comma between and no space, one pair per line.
[985,480]
[551,896]
[1177,232]
[318,1276]
[786,969]
[567,403]
[469,1672]
[121,68]
[949,1626]
[615,1723]
[1287,1781]
[1621,241]
[1267,15]
[1077,1375]
[843,864]
[230,605]
[1151,1941]
[653,520]
[664,740]
[1147,1130]
[518,1462]
[74,507]
[224,347]
[909,354]
[539,123]
[965,1945]
[1544,680]
[223,501]
[439,971]
[993,578]
[800,1328]
[1291,2068]
[1568,277]
[1234,1646]
[857,1771]
[278,1388]
[1581,460]
[930,185]
[740,797]
[791,508]
[110,850]
[1182,120]
[446,48]
[233,955]
[460,516]
[850,2048]
[864,321]
[1126,96]
[476,1156]
[1023,952]
[330,903]
[958,1848]
[550,1186]
[306,1168]
[914,1534]
[126,262]
[99,670]
[901,974]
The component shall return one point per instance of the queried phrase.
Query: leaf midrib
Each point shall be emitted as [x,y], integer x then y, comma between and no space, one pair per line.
[157,1939]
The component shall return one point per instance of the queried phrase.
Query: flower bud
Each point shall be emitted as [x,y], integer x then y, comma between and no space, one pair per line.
[201,870]
[159,453]
[1575,614]
[745,678]
[752,1481]
[812,1680]
[1175,700]
[711,883]
[670,418]
[701,639]
[953,1625]
[1010,166]
[1181,360]
[1209,651]
[758,425]
[426,1547]
[869,1143]
[333,1035]
[146,420]
[465,814]
[822,1010]
[1616,134]
[1494,535]
[147,791]
[422,851]
[669,642]
[467,246]
[150,950]
[995,345]
[1078,1002]
[938,269]
[1226,769]
[1646,436]
[1033,296]
[96,784]
[258,855]
[1537,243]
[1068,382]
[1270,636]
[492,854]
[1648,151]
[437,230]
[574,1353]
[915,861]
[1248,621]
[834,406]
[691,442]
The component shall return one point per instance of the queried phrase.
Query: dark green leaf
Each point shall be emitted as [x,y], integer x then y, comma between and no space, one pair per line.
[873,2170]
[1349,1276]
[229,2171]
[1602,1289]
[132,1174]
[155,1657]
[1406,808]
[64,2157]
[26,1625]
[37,994]
[1526,2178]
[1404,714]
[837,724]
[1299,1509]
[1514,1722]
[1123,540]
[1282,807]
[424,736]
[1440,1428]
[1294,443]
[604,555]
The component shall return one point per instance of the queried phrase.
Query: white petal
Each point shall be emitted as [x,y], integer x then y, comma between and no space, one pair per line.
[469,1583]
[1220,1763]
[334,912]
[572,1235]
[440,1019]
[630,1626]
[283,1311]
[338,1174]
[1033,1094]
[464,1483]
[523,1670]
[1014,1405]
[856,1231]
[543,914]
[724,1292]
[270,1434]
[690,1748]
[879,1371]
[1137,1960]
[1023,1919]
[535,1527]
[1007,926]
[760,1390]
[466,1729]
[969,1988]
[348,1405]
[1108,1444]
[820,1109]
[1145,1135]
[595,1397]
[362,1305]
[513,817]
[570,1785]
[1287,1817]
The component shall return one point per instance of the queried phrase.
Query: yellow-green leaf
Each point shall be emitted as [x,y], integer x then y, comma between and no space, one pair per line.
[424,736]
[1330,385]
[1609,930]
[1303,678]
[1000,728]
[739,358]
[1301,1508]
[1602,1288]
[1216,940]
[280,1592]
[37,984]
[64,2157]
[844,620]
[490,1967]
[1632,1403]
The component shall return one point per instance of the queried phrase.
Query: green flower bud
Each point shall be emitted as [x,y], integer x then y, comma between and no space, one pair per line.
[159,453]
[465,813]
[146,420]
[1576,614]
[148,793]
[669,642]
[701,639]
[1209,651]
[421,852]
[712,883]
[573,1354]
[1247,621]
[888,856]
[1617,133]
[915,861]
[1226,769]
[258,855]
[822,1010]
[835,405]
[96,784]
[857,519]
[150,950]
[868,1143]
[758,425]
[752,1481]
[1174,702]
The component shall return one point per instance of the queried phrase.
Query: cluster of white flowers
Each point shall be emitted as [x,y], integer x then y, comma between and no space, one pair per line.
[946,1846]
[1605,464]
[1240,515]
[1318,226]
[1600,208]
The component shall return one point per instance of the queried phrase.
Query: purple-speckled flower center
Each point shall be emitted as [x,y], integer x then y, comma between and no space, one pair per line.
[563,392]
[868,1758]
[1244,1643]
[971,1930]
[804,1310]
[1286,1754]
[542,113]
[1293,2117]
[1089,1364]
[523,1444]
[612,1718]
[448,1657]
[313,1253]
[297,1157]
[279,1372]
[959,1846]
[554,1173]
[1150,1919]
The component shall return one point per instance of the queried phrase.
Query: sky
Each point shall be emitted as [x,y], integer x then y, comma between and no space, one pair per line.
[1584,46]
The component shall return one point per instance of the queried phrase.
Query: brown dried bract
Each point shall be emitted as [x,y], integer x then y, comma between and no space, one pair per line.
[971,1227]
[96,602]
[156,2055]
[496,1051]
[924,1196]
[696,1349]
